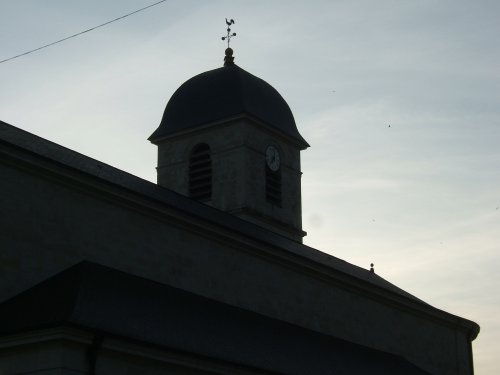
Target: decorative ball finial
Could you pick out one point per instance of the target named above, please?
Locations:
(229, 59)
(372, 270)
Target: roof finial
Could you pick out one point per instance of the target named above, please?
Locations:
(228, 59)
(372, 270)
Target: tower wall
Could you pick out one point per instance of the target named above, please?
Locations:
(239, 172)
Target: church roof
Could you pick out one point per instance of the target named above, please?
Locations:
(36, 150)
(120, 305)
(222, 94)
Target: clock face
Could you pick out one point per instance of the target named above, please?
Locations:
(272, 158)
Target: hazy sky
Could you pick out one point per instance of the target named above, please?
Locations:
(420, 199)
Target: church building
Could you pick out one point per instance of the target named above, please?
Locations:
(205, 272)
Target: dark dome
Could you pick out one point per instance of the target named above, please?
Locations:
(223, 93)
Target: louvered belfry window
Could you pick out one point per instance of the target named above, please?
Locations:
(200, 173)
(273, 186)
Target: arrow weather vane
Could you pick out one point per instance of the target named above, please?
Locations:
(229, 35)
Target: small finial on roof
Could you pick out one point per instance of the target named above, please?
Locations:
(229, 59)
(372, 270)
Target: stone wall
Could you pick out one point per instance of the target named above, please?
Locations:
(53, 217)
(238, 163)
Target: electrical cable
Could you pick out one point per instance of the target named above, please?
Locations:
(81, 32)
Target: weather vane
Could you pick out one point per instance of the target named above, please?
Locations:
(229, 35)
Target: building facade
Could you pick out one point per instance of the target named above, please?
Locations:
(205, 272)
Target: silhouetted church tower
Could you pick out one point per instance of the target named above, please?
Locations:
(228, 138)
(105, 273)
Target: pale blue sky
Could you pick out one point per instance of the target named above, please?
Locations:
(420, 199)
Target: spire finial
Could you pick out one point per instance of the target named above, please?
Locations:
(228, 59)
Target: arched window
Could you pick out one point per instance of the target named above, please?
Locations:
(273, 186)
(200, 173)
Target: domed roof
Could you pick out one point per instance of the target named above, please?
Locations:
(223, 93)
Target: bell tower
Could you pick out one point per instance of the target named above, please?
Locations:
(228, 139)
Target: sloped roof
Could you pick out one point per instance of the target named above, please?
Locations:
(42, 149)
(100, 299)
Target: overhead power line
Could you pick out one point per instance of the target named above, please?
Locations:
(81, 32)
